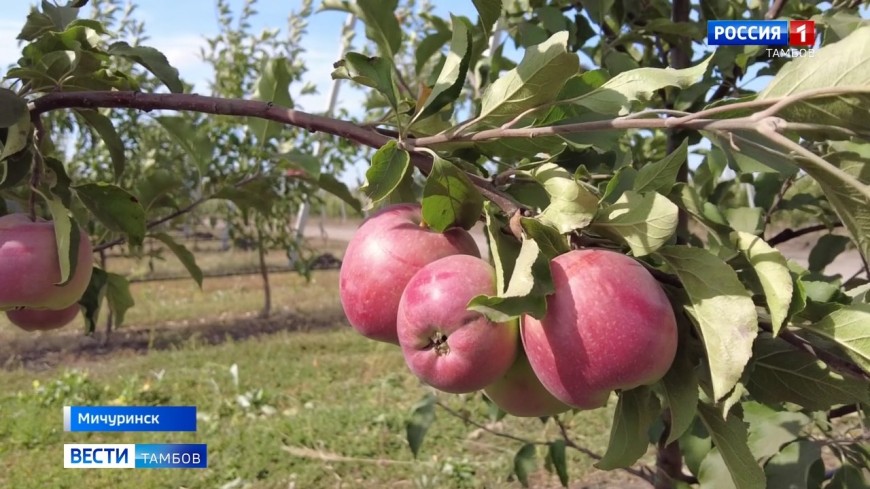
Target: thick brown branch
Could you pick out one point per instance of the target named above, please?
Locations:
(245, 108)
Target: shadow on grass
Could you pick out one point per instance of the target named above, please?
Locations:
(47, 350)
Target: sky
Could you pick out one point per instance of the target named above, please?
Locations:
(178, 28)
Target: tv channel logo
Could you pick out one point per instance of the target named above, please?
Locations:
(796, 33)
(135, 456)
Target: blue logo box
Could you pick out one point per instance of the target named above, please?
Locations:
(747, 32)
(129, 418)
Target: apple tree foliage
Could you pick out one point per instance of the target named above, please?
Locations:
(559, 125)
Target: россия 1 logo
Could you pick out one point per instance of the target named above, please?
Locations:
(797, 37)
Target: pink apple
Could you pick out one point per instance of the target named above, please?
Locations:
(29, 267)
(446, 345)
(42, 319)
(383, 255)
(608, 326)
(519, 392)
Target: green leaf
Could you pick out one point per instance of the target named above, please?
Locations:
(730, 438)
(184, 256)
(747, 151)
(848, 328)
(556, 452)
(452, 77)
(422, 417)
(621, 181)
(389, 165)
(722, 309)
(337, 188)
(552, 243)
(58, 180)
(770, 429)
(273, 86)
(644, 221)
(382, 26)
(713, 472)
(92, 299)
(489, 12)
(503, 247)
(536, 81)
(308, 163)
(840, 64)
(617, 95)
(449, 198)
(67, 237)
(258, 195)
(12, 107)
(851, 202)
(524, 463)
(526, 292)
(790, 468)
(635, 412)
(849, 477)
(826, 250)
(744, 219)
(372, 72)
(36, 24)
(152, 60)
(116, 208)
(103, 126)
(429, 46)
(60, 16)
(191, 139)
(14, 169)
(772, 271)
(783, 374)
(662, 175)
(118, 296)
(572, 206)
(17, 137)
(680, 388)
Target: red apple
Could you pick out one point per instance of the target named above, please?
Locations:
(29, 267)
(608, 326)
(519, 392)
(444, 344)
(42, 319)
(383, 255)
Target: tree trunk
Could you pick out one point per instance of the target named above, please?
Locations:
(264, 272)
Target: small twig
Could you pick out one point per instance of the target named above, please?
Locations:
(778, 199)
(179, 212)
(38, 166)
(487, 429)
(769, 127)
(842, 411)
(836, 363)
(789, 233)
(643, 472)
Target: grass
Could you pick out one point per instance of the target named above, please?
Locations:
(313, 404)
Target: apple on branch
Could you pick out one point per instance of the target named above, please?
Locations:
(42, 319)
(609, 325)
(446, 345)
(519, 392)
(381, 258)
(29, 267)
